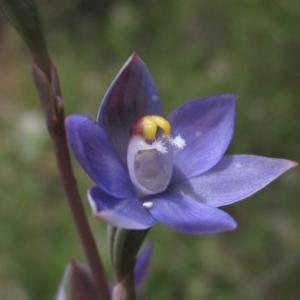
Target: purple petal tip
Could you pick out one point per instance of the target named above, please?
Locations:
(135, 56)
(293, 164)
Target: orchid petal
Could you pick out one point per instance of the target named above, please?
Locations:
(207, 128)
(97, 156)
(132, 94)
(234, 178)
(186, 215)
(127, 213)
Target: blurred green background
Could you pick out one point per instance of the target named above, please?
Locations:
(193, 49)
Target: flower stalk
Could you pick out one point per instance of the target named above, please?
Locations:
(51, 100)
(124, 247)
(24, 17)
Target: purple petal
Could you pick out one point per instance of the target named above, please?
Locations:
(125, 213)
(188, 216)
(97, 156)
(207, 128)
(132, 95)
(142, 264)
(234, 178)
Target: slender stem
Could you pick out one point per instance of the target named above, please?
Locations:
(111, 236)
(49, 92)
(24, 16)
(69, 183)
(124, 246)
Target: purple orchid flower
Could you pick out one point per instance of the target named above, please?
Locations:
(174, 171)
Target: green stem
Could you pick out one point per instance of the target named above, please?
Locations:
(124, 246)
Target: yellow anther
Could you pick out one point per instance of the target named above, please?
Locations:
(163, 124)
(148, 126)
(151, 124)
